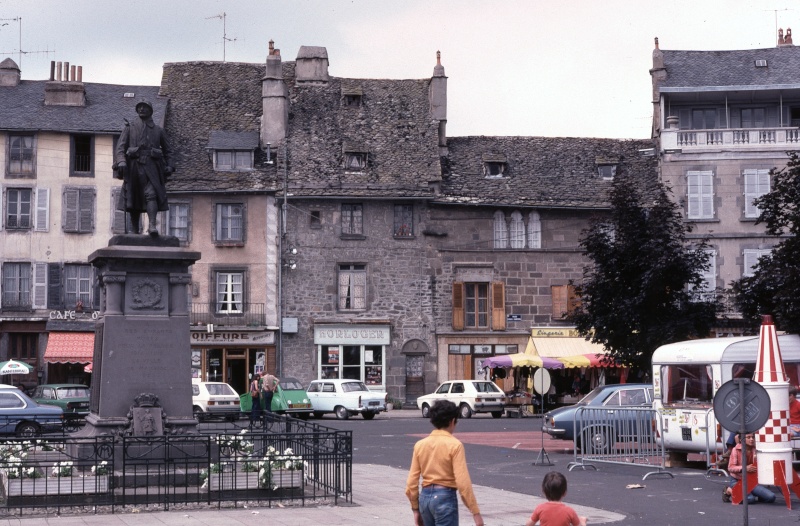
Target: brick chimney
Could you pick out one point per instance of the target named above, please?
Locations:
(437, 95)
(784, 41)
(311, 65)
(9, 73)
(274, 101)
(67, 92)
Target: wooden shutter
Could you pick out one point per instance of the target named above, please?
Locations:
(40, 285)
(498, 306)
(459, 366)
(70, 217)
(458, 306)
(558, 294)
(42, 219)
(86, 210)
(54, 289)
(573, 300)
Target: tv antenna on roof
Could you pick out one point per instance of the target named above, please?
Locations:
(776, 18)
(225, 38)
(4, 22)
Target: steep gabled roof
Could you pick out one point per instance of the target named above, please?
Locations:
(542, 172)
(22, 108)
(696, 69)
(219, 97)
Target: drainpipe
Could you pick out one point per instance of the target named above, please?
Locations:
(280, 256)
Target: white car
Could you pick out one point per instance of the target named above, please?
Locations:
(345, 398)
(470, 396)
(214, 399)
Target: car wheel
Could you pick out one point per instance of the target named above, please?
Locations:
(598, 441)
(368, 415)
(28, 429)
(341, 412)
(465, 411)
(318, 414)
(303, 416)
(426, 409)
(198, 413)
(497, 414)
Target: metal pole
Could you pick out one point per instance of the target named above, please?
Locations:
(741, 382)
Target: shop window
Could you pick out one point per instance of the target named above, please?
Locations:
(352, 287)
(23, 346)
(353, 362)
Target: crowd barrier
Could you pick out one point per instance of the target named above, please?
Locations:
(618, 436)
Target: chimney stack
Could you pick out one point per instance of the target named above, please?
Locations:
(67, 89)
(437, 95)
(274, 101)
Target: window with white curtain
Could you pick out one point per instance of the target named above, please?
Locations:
(709, 285)
(230, 287)
(352, 287)
(517, 232)
(16, 285)
(78, 285)
(500, 230)
(20, 155)
(756, 184)
(534, 230)
(229, 222)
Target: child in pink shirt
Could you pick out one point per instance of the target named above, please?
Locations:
(554, 512)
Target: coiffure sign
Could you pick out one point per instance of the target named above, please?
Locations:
(352, 334)
(233, 338)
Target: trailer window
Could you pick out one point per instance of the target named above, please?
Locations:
(686, 383)
(747, 370)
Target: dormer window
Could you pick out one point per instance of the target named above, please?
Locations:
(356, 157)
(495, 165)
(606, 167)
(232, 151)
(351, 97)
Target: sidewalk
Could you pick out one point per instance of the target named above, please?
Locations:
(378, 499)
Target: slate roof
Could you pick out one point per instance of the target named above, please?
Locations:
(543, 172)
(22, 108)
(732, 68)
(206, 97)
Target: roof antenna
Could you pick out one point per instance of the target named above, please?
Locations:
(225, 38)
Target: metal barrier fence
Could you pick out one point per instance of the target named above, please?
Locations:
(292, 460)
(618, 436)
(714, 453)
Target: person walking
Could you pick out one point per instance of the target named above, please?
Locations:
(440, 461)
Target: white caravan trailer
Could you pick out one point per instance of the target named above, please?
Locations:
(687, 375)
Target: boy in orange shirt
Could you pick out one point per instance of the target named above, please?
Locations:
(554, 512)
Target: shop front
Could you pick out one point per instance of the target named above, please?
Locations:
(461, 356)
(69, 352)
(232, 356)
(353, 351)
(22, 340)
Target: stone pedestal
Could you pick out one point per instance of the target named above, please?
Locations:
(142, 338)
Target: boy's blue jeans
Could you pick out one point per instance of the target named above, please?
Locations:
(438, 506)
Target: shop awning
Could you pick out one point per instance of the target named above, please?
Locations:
(69, 347)
(572, 352)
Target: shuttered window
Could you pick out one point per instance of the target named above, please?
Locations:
(16, 286)
(700, 194)
(42, 222)
(78, 286)
(479, 306)
(18, 208)
(54, 289)
(750, 260)
(78, 210)
(564, 300)
(40, 285)
(756, 184)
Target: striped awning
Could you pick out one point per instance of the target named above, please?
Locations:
(572, 352)
(69, 347)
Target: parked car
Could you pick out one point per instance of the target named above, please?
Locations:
(21, 416)
(345, 398)
(470, 396)
(290, 398)
(610, 423)
(211, 399)
(73, 399)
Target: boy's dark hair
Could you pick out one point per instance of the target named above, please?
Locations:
(793, 391)
(442, 413)
(554, 486)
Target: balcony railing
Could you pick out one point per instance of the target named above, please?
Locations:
(749, 138)
(16, 305)
(241, 315)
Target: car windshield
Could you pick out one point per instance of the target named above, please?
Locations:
(73, 392)
(290, 383)
(220, 389)
(486, 387)
(354, 386)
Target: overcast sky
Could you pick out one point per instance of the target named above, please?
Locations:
(538, 67)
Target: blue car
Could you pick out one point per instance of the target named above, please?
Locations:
(602, 418)
(21, 416)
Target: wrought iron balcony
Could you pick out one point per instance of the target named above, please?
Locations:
(16, 305)
(235, 315)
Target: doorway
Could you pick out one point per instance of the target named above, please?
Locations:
(236, 373)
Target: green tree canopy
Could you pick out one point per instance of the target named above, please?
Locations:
(635, 296)
(774, 287)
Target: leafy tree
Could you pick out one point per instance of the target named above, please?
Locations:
(635, 296)
(774, 287)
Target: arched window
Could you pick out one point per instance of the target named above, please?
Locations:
(534, 230)
(517, 230)
(500, 230)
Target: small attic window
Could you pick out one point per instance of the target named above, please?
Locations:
(128, 95)
(494, 168)
(355, 161)
(761, 63)
(351, 97)
(232, 151)
(607, 171)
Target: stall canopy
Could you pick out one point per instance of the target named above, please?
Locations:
(69, 347)
(521, 360)
(570, 352)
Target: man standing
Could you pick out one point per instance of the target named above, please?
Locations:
(440, 460)
(143, 161)
(269, 386)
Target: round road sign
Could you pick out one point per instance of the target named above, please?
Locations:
(541, 381)
(729, 406)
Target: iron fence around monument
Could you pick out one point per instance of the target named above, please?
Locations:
(290, 461)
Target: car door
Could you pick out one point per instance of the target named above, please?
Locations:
(442, 393)
(457, 394)
(11, 410)
(326, 397)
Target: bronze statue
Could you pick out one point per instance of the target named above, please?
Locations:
(143, 161)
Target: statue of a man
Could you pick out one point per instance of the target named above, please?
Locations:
(143, 161)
